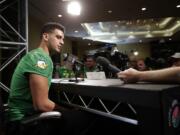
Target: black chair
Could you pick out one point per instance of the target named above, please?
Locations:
(34, 122)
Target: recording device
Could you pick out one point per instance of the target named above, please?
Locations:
(119, 59)
(72, 59)
(107, 64)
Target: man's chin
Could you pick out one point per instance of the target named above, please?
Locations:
(55, 51)
(58, 51)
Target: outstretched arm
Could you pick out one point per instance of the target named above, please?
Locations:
(167, 75)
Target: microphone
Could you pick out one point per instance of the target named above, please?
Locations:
(107, 64)
(73, 59)
(76, 61)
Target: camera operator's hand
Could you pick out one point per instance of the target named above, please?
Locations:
(129, 76)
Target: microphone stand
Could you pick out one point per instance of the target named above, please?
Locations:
(75, 69)
(76, 73)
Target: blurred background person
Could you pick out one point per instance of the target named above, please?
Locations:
(175, 59)
(141, 65)
(90, 64)
(66, 68)
(65, 71)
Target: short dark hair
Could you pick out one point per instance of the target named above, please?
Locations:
(90, 57)
(50, 26)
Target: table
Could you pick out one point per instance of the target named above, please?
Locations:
(154, 108)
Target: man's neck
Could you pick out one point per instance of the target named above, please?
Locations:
(44, 47)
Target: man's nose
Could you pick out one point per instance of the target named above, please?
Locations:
(62, 42)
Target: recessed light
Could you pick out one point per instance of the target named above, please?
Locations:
(76, 31)
(60, 15)
(149, 35)
(131, 32)
(136, 53)
(74, 8)
(178, 6)
(143, 9)
(138, 21)
(109, 11)
(131, 36)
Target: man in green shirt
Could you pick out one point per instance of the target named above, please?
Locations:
(90, 64)
(36, 62)
(31, 81)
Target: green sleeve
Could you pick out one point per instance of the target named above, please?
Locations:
(38, 64)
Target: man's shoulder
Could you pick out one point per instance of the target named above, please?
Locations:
(36, 56)
(36, 53)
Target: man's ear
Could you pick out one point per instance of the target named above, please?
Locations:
(45, 36)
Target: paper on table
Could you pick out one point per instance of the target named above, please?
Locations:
(95, 75)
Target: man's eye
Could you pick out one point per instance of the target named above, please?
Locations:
(59, 37)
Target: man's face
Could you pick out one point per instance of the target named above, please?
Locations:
(141, 65)
(55, 40)
(90, 62)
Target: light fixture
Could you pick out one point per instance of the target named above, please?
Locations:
(143, 9)
(59, 15)
(109, 11)
(74, 8)
(135, 53)
(178, 6)
(131, 36)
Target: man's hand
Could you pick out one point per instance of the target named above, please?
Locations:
(129, 76)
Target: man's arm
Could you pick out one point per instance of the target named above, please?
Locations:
(39, 91)
(171, 75)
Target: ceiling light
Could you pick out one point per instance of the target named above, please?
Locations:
(148, 35)
(143, 9)
(131, 32)
(109, 11)
(178, 6)
(136, 53)
(74, 8)
(131, 37)
(59, 15)
(76, 31)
